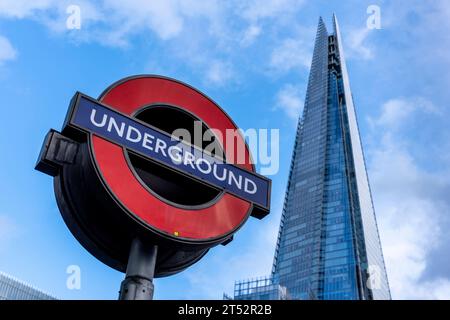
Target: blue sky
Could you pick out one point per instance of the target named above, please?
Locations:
(252, 59)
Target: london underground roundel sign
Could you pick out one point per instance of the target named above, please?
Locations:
(152, 158)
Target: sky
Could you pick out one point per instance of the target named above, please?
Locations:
(253, 60)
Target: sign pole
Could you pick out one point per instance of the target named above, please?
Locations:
(138, 282)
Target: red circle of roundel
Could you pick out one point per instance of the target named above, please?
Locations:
(128, 96)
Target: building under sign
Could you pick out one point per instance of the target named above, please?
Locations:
(14, 289)
(264, 288)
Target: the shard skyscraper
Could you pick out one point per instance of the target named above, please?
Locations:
(328, 244)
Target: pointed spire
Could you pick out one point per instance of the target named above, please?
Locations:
(321, 26)
(321, 23)
(334, 17)
(335, 25)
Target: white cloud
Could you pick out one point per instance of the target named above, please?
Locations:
(408, 206)
(395, 111)
(7, 51)
(422, 23)
(55, 19)
(23, 8)
(289, 100)
(290, 54)
(250, 35)
(162, 17)
(197, 33)
(166, 18)
(218, 73)
(184, 27)
(356, 40)
(255, 10)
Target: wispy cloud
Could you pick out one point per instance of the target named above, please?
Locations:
(250, 35)
(290, 101)
(219, 73)
(254, 10)
(24, 8)
(7, 51)
(395, 111)
(357, 42)
(116, 20)
(291, 54)
(411, 203)
(184, 28)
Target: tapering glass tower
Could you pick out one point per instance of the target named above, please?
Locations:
(328, 244)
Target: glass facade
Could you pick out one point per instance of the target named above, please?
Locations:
(13, 289)
(265, 288)
(328, 245)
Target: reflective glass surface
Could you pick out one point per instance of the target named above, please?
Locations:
(328, 243)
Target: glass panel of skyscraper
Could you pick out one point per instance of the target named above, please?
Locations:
(328, 245)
